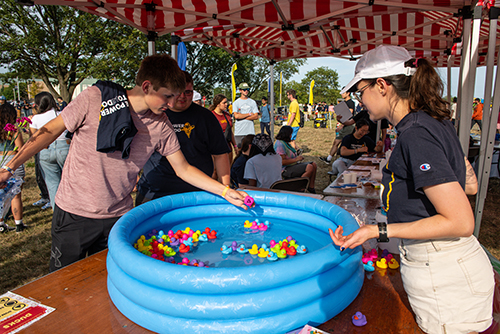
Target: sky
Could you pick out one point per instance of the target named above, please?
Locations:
(345, 69)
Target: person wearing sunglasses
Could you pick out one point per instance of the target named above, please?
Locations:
(245, 111)
(446, 274)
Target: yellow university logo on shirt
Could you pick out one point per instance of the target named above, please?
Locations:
(187, 128)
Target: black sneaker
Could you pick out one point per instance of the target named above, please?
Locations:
(4, 228)
(21, 227)
(324, 160)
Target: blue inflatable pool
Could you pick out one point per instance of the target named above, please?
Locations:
(272, 297)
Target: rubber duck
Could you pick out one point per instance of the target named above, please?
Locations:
(301, 249)
(369, 266)
(195, 237)
(212, 235)
(186, 231)
(359, 319)
(272, 256)
(184, 262)
(284, 244)
(170, 233)
(293, 244)
(249, 201)
(202, 264)
(262, 227)
(194, 263)
(291, 251)
(169, 251)
(254, 250)
(234, 246)
(170, 259)
(226, 250)
(203, 237)
(389, 257)
(265, 247)
(247, 224)
(174, 241)
(254, 225)
(242, 249)
(188, 241)
(281, 254)
(385, 252)
(184, 249)
(393, 264)
(289, 238)
(266, 223)
(185, 236)
(382, 263)
(272, 243)
(263, 252)
(276, 248)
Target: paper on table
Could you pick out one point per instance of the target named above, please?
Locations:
(343, 110)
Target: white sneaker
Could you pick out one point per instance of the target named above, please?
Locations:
(41, 202)
(47, 206)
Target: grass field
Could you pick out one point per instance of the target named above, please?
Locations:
(25, 256)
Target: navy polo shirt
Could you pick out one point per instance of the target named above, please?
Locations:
(427, 153)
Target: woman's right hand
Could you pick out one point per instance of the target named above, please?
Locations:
(299, 158)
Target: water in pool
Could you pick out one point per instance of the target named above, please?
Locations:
(232, 229)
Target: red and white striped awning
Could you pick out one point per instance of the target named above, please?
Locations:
(283, 29)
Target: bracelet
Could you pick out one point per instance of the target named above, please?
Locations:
(355, 151)
(8, 169)
(225, 191)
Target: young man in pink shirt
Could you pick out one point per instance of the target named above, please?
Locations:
(96, 185)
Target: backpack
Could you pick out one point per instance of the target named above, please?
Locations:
(301, 122)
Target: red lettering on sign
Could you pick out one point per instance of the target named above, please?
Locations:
(21, 319)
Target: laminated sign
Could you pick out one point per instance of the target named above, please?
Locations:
(17, 312)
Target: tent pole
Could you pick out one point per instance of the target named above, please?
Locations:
(490, 117)
(466, 93)
(448, 78)
(271, 97)
(152, 35)
(174, 42)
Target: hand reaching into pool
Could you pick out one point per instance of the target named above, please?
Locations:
(354, 239)
(237, 198)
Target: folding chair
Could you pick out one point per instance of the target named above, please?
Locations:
(298, 184)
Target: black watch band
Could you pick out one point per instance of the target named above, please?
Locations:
(382, 233)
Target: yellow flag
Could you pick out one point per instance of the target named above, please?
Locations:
(234, 68)
(281, 84)
(311, 92)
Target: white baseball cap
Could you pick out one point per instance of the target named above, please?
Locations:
(196, 96)
(383, 61)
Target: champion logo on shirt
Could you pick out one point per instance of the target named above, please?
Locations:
(425, 167)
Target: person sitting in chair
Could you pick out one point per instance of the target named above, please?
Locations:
(354, 145)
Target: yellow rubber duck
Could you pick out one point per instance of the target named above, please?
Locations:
(393, 264)
(195, 237)
(247, 224)
(254, 250)
(281, 254)
(382, 263)
(263, 252)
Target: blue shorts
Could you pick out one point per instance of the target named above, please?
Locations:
(295, 131)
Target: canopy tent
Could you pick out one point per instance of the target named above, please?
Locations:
(284, 29)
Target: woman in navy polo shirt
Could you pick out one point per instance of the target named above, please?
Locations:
(446, 274)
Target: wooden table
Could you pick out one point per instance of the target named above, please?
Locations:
(79, 294)
(362, 191)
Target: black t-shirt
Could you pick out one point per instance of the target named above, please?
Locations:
(200, 136)
(351, 143)
(363, 114)
(427, 153)
(351, 105)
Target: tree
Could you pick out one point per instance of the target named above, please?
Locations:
(56, 42)
(326, 85)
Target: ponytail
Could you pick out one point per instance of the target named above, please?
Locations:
(423, 90)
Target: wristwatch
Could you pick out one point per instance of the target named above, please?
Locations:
(382, 233)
